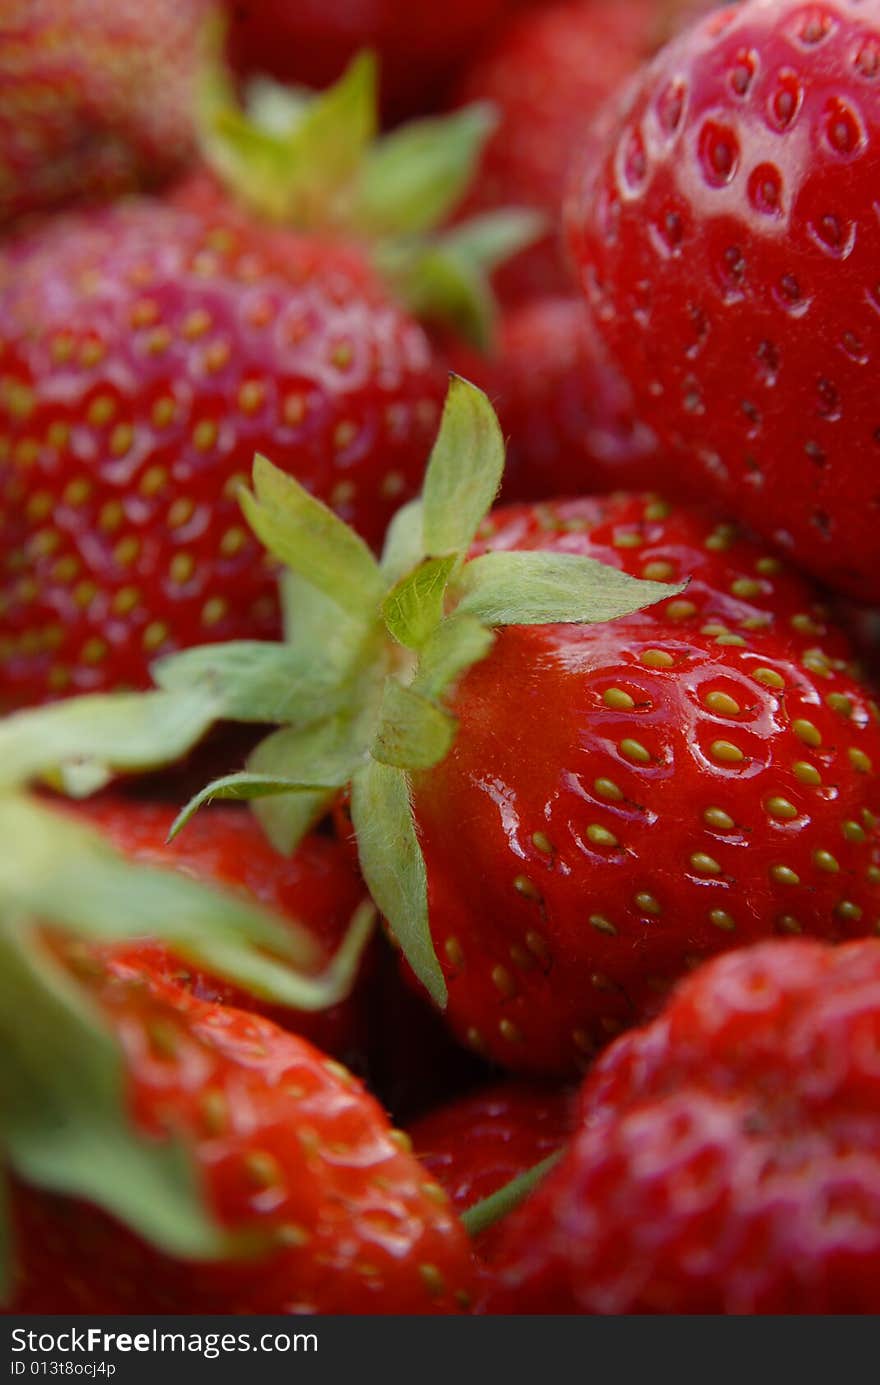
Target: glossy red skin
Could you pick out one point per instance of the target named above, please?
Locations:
(340, 388)
(479, 1143)
(548, 946)
(286, 1143)
(318, 887)
(305, 41)
(566, 413)
(728, 1155)
(97, 97)
(548, 73)
(746, 321)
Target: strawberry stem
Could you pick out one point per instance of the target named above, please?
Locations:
(491, 1209)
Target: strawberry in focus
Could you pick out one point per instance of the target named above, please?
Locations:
(318, 887)
(727, 1158)
(98, 97)
(726, 235)
(625, 799)
(289, 1148)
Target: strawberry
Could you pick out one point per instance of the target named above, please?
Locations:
(480, 1143)
(727, 236)
(98, 97)
(310, 43)
(565, 411)
(147, 350)
(132, 407)
(702, 774)
(548, 72)
(562, 801)
(289, 1149)
(726, 1158)
(317, 887)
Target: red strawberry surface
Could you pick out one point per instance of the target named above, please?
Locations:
(287, 1145)
(548, 73)
(317, 887)
(728, 1155)
(476, 1145)
(622, 800)
(97, 97)
(148, 350)
(419, 46)
(728, 239)
(566, 413)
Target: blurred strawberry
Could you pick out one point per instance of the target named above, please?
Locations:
(289, 1150)
(98, 97)
(317, 887)
(727, 1156)
(566, 413)
(149, 349)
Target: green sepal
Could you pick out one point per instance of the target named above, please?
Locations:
(506, 1199)
(55, 867)
(301, 173)
(404, 546)
(82, 742)
(394, 868)
(446, 279)
(464, 470)
(413, 608)
(542, 588)
(441, 288)
(64, 1109)
(486, 242)
(456, 644)
(254, 681)
(309, 538)
(413, 178)
(413, 732)
(286, 818)
(242, 787)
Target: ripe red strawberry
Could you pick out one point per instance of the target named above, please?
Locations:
(623, 800)
(309, 43)
(548, 73)
(148, 350)
(727, 238)
(287, 1144)
(728, 1155)
(97, 97)
(562, 800)
(318, 887)
(476, 1145)
(566, 413)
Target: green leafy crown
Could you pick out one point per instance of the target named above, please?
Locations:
(317, 161)
(359, 688)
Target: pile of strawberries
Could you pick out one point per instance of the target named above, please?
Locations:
(530, 964)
